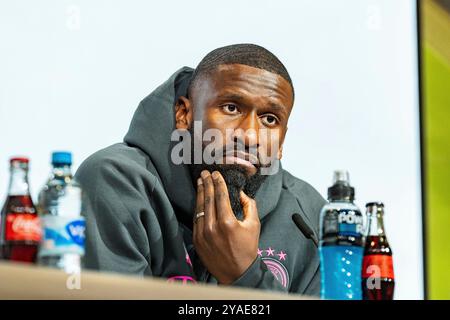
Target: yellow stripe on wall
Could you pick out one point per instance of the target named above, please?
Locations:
(436, 109)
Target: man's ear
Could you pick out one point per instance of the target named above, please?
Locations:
(280, 153)
(183, 113)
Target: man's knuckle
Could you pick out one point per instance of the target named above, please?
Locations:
(220, 195)
(227, 224)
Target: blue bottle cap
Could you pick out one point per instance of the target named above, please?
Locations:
(61, 158)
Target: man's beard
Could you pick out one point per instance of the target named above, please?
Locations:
(236, 178)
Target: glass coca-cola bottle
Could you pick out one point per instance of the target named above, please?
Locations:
(20, 231)
(378, 279)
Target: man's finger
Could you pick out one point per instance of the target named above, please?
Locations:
(248, 207)
(209, 206)
(199, 222)
(222, 199)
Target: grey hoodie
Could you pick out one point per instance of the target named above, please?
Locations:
(140, 209)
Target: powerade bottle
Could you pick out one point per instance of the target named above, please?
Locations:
(60, 210)
(341, 244)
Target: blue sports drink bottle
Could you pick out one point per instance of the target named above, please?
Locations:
(341, 245)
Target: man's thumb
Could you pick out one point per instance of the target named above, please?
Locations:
(248, 207)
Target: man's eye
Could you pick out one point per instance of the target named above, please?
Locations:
(269, 120)
(230, 108)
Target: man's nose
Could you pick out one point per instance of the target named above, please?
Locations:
(247, 131)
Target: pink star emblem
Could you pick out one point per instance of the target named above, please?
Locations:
(270, 251)
(282, 255)
(259, 252)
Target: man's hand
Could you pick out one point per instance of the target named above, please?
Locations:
(226, 246)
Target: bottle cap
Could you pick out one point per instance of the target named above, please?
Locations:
(375, 204)
(19, 159)
(341, 189)
(375, 207)
(61, 158)
(341, 176)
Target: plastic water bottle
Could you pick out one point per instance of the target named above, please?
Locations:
(341, 244)
(60, 209)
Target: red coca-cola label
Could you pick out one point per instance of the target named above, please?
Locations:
(22, 227)
(378, 266)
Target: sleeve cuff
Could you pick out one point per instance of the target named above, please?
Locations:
(253, 275)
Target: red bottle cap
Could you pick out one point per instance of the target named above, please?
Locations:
(19, 159)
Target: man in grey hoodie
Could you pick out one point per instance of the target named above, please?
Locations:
(228, 221)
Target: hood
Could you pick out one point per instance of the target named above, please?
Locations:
(151, 129)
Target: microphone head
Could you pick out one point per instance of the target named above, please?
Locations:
(304, 227)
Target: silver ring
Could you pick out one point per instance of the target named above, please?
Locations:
(199, 215)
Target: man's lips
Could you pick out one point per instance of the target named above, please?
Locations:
(242, 158)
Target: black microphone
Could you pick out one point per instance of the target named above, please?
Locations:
(304, 228)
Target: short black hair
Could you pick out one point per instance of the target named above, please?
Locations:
(244, 53)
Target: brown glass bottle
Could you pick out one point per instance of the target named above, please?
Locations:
(378, 281)
(20, 230)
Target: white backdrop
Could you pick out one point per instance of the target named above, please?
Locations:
(73, 72)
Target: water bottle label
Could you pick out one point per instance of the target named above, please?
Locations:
(350, 223)
(330, 224)
(62, 235)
